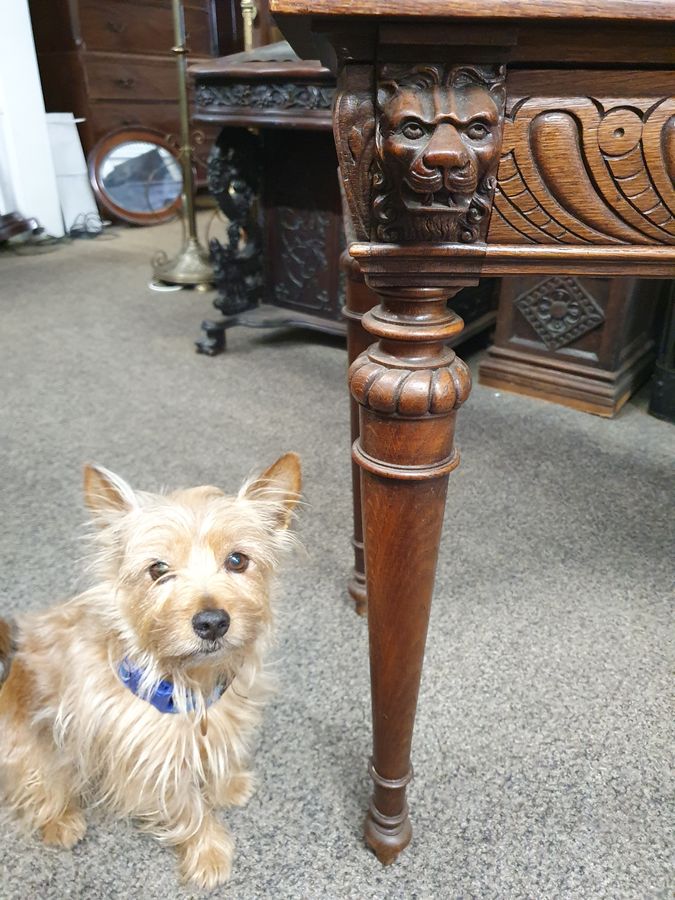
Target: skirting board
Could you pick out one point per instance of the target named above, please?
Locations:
(588, 389)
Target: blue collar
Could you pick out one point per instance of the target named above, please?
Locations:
(162, 696)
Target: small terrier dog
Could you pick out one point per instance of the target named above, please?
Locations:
(144, 692)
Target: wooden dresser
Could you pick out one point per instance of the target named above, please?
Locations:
(110, 61)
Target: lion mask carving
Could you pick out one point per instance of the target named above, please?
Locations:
(437, 146)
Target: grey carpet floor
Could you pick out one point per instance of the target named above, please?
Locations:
(543, 747)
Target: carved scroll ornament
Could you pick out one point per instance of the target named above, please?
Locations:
(581, 171)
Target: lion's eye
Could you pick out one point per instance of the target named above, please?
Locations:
(413, 131)
(477, 131)
(237, 562)
(158, 569)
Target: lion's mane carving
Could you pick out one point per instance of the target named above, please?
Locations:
(437, 146)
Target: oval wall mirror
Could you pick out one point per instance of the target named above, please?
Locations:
(136, 176)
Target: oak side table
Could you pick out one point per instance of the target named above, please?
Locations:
(498, 137)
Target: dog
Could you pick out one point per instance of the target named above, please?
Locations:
(6, 648)
(143, 693)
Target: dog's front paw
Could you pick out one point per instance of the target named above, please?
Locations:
(207, 862)
(65, 831)
(240, 789)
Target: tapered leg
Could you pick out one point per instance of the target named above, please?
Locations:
(359, 299)
(408, 388)
(418, 145)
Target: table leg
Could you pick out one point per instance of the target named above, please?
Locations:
(408, 387)
(418, 146)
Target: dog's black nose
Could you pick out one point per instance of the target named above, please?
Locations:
(210, 624)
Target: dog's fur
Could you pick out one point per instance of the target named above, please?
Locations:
(71, 733)
(6, 648)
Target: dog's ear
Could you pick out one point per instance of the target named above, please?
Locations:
(106, 494)
(279, 485)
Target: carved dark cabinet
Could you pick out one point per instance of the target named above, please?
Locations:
(273, 172)
(303, 234)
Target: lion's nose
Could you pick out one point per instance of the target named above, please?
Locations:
(445, 150)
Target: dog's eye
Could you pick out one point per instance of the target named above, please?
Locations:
(157, 569)
(237, 562)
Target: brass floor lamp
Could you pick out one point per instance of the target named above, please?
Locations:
(191, 266)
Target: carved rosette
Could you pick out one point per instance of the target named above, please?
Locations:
(409, 393)
(560, 311)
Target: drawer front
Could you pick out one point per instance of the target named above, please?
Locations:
(121, 27)
(107, 117)
(164, 117)
(588, 157)
(128, 78)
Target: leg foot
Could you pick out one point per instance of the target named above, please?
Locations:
(213, 342)
(66, 831)
(206, 859)
(387, 836)
(357, 591)
(240, 789)
(387, 827)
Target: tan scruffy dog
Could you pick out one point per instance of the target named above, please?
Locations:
(143, 693)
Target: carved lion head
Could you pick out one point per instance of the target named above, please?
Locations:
(437, 146)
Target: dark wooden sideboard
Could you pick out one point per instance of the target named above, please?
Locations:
(501, 137)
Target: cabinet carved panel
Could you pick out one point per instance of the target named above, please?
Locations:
(587, 171)
(303, 238)
(560, 311)
(266, 96)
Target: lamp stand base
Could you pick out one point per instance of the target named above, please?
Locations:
(191, 266)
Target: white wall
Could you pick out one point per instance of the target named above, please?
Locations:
(27, 177)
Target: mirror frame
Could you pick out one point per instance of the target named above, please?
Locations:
(95, 159)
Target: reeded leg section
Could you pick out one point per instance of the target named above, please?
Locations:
(359, 299)
(408, 387)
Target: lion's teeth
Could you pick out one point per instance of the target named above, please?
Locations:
(429, 199)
